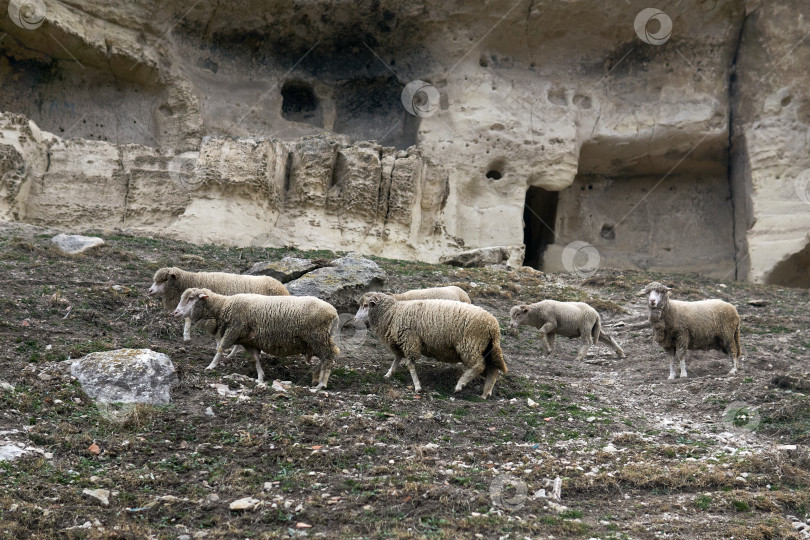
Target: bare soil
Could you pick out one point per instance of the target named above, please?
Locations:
(708, 456)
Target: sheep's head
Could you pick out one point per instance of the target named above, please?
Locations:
(517, 316)
(161, 280)
(192, 304)
(367, 303)
(657, 295)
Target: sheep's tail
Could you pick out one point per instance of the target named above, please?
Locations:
(493, 355)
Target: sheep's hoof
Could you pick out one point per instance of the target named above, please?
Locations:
(683, 375)
(387, 375)
(261, 386)
(733, 371)
(671, 377)
(186, 338)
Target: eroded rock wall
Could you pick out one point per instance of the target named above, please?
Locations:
(248, 122)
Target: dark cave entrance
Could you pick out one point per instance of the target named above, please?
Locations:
(299, 103)
(539, 216)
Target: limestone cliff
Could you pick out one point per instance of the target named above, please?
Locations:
(544, 123)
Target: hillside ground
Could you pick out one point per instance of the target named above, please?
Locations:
(708, 456)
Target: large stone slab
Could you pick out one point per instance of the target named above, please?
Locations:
(73, 244)
(126, 376)
(342, 283)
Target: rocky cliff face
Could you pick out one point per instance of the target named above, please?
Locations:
(544, 124)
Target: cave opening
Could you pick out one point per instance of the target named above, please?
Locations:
(792, 272)
(539, 216)
(300, 104)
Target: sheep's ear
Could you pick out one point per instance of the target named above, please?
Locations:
(670, 287)
(173, 275)
(524, 309)
(202, 296)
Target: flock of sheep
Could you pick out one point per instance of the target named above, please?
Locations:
(258, 313)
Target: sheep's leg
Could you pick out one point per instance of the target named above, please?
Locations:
(394, 367)
(472, 372)
(545, 330)
(225, 342)
(411, 365)
(257, 357)
(325, 372)
(316, 369)
(234, 351)
(187, 330)
(610, 342)
(587, 342)
(671, 353)
(680, 352)
(735, 351)
(492, 374)
(550, 339)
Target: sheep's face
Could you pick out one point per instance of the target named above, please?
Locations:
(517, 316)
(191, 304)
(161, 280)
(656, 294)
(367, 303)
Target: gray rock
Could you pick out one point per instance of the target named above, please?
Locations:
(285, 270)
(478, 257)
(342, 283)
(74, 243)
(10, 452)
(101, 496)
(126, 376)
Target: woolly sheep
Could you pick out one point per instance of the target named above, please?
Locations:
(436, 293)
(568, 319)
(447, 330)
(170, 282)
(278, 325)
(679, 326)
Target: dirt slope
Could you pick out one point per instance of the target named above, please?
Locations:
(639, 456)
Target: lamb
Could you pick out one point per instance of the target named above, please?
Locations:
(447, 330)
(170, 282)
(679, 326)
(568, 319)
(436, 293)
(278, 325)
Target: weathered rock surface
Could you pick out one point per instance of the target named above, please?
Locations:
(126, 375)
(287, 269)
(342, 283)
(552, 123)
(73, 244)
(479, 257)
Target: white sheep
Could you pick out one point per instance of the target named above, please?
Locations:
(447, 330)
(568, 319)
(278, 325)
(704, 325)
(450, 292)
(170, 282)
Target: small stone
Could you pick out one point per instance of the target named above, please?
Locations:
(100, 495)
(6, 386)
(531, 403)
(591, 419)
(302, 525)
(278, 387)
(95, 479)
(94, 449)
(247, 503)
(184, 537)
(209, 411)
(786, 447)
